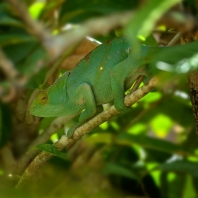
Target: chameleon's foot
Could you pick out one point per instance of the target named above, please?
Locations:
(121, 107)
(71, 131)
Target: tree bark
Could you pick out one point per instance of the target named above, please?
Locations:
(193, 85)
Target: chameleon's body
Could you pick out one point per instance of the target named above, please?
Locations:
(100, 77)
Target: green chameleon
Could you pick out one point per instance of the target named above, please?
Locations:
(101, 76)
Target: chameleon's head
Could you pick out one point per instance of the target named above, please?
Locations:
(51, 102)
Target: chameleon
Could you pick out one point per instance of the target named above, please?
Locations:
(100, 77)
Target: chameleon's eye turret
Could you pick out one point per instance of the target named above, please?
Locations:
(42, 98)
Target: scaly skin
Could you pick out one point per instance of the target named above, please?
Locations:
(100, 77)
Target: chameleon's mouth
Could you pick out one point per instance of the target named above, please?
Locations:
(34, 111)
(47, 110)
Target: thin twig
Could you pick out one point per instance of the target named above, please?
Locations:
(175, 39)
(65, 142)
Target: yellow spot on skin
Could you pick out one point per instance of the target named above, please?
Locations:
(101, 68)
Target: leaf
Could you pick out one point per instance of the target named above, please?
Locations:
(161, 125)
(20, 51)
(153, 143)
(79, 10)
(183, 61)
(6, 18)
(144, 21)
(14, 37)
(171, 184)
(112, 168)
(150, 40)
(53, 150)
(189, 190)
(37, 57)
(36, 8)
(180, 166)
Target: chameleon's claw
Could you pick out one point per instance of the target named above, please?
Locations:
(121, 107)
(71, 131)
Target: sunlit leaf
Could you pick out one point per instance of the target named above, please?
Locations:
(99, 138)
(137, 128)
(151, 97)
(189, 190)
(161, 125)
(36, 8)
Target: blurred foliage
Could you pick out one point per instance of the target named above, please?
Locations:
(149, 151)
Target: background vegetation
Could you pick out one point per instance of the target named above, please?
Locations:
(150, 151)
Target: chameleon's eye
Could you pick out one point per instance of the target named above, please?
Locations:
(42, 98)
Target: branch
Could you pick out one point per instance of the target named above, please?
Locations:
(55, 125)
(84, 129)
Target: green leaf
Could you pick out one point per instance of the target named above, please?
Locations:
(53, 150)
(36, 57)
(150, 40)
(35, 9)
(151, 97)
(144, 21)
(180, 166)
(183, 61)
(137, 128)
(20, 51)
(79, 10)
(171, 184)
(14, 37)
(189, 190)
(161, 125)
(7, 20)
(153, 143)
(112, 168)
